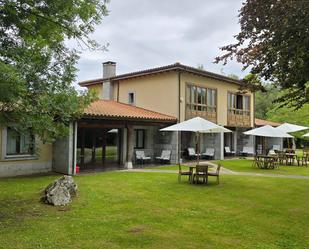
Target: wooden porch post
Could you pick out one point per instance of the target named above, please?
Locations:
(93, 146)
(103, 145)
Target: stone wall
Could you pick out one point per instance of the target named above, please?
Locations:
(63, 149)
(166, 141)
(243, 140)
(156, 141)
(24, 168)
(207, 140)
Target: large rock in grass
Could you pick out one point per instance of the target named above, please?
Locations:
(61, 191)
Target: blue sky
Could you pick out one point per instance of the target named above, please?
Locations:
(144, 34)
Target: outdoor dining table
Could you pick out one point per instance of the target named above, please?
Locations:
(192, 167)
(267, 161)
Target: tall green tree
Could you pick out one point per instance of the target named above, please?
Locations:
(264, 101)
(37, 67)
(274, 44)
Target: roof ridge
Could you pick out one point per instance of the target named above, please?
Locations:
(173, 66)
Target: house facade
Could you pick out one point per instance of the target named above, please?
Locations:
(180, 92)
(131, 110)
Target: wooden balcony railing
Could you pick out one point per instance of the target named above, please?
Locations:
(209, 113)
(238, 118)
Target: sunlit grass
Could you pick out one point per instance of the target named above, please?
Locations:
(153, 210)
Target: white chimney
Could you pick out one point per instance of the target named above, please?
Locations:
(109, 70)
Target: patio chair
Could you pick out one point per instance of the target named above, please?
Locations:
(201, 171)
(281, 157)
(247, 151)
(216, 174)
(272, 153)
(191, 153)
(140, 156)
(304, 159)
(184, 173)
(276, 147)
(257, 161)
(210, 153)
(165, 156)
(228, 151)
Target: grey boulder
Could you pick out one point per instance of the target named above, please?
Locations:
(61, 191)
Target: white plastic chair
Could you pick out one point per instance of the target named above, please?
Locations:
(140, 156)
(210, 152)
(191, 152)
(228, 151)
(165, 156)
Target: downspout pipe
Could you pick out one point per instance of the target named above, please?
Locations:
(179, 116)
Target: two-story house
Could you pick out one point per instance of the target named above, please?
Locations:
(175, 93)
(131, 110)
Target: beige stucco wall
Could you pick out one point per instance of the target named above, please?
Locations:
(159, 92)
(222, 90)
(98, 89)
(155, 92)
(42, 162)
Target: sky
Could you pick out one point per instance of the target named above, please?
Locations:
(144, 34)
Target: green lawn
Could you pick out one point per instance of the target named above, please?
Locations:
(152, 210)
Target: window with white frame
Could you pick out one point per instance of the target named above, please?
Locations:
(18, 143)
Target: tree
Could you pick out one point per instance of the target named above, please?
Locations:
(285, 114)
(37, 68)
(264, 101)
(274, 44)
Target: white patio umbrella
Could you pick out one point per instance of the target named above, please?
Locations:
(267, 131)
(289, 128)
(306, 135)
(197, 125)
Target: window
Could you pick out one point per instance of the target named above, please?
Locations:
(19, 143)
(139, 139)
(201, 98)
(246, 103)
(238, 102)
(131, 98)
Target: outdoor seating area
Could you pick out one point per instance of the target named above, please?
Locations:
(199, 174)
(286, 157)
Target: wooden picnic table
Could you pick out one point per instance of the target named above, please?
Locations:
(266, 161)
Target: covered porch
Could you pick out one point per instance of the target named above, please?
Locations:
(108, 135)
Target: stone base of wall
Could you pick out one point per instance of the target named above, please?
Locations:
(24, 168)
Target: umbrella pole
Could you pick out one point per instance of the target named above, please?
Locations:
(198, 147)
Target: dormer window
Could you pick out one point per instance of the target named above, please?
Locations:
(131, 98)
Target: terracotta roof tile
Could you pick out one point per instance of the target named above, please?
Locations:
(262, 122)
(113, 109)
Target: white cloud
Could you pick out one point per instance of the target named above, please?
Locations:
(145, 33)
